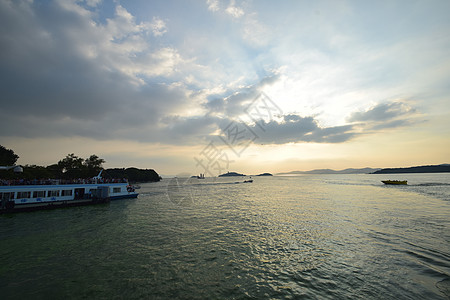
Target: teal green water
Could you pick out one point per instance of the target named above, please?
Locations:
(307, 237)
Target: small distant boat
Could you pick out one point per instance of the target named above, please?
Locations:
(248, 181)
(201, 176)
(397, 182)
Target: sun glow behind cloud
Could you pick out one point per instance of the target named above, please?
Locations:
(147, 77)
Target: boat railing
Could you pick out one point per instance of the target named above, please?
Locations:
(18, 182)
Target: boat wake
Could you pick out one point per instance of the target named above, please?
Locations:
(431, 184)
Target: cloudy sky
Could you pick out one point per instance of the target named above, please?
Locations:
(210, 86)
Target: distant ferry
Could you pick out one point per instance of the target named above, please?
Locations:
(403, 182)
(52, 194)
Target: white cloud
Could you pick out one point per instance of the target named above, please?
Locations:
(123, 25)
(233, 10)
(158, 26)
(122, 44)
(93, 3)
(162, 62)
(254, 32)
(213, 5)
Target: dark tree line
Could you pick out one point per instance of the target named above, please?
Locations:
(72, 167)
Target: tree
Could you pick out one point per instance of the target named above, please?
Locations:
(70, 162)
(73, 166)
(94, 162)
(7, 157)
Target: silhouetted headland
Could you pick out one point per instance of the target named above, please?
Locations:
(231, 174)
(444, 168)
(135, 174)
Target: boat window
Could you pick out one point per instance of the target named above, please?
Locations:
(53, 194)
(79, 193)
(21, 195)
(38, 194)
(7, 195)
(66, 193)
(116, 190)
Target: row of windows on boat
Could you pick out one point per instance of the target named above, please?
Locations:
(61, 181)
(44, 194)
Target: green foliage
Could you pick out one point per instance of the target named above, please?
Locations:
(34, 172)
(29, 172)
(70, 162)
(7, 157)
(94, 162)
(55, 171)
(73, 167)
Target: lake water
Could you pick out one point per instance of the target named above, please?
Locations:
(307, 237)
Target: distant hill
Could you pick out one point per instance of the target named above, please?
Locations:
(444, 168)
(230, 174)
(133, 174)
(330, 171)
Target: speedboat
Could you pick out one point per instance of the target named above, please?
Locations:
(397, 182)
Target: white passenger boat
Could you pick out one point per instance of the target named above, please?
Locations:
(52, 194)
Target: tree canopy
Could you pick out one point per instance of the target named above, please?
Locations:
(94, 162)
(73, 166)
(7, 157)
(70, 162)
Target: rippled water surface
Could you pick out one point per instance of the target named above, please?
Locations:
(311, 237)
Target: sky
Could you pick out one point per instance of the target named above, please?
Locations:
(209, 86)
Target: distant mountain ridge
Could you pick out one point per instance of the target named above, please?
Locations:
(330, 171)
(443, 168)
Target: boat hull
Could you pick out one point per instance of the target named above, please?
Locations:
(36, 197)
(52, 205)
(395, 182)
(127, 196)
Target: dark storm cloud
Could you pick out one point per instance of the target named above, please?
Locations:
(53, 86)
(41, 70)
